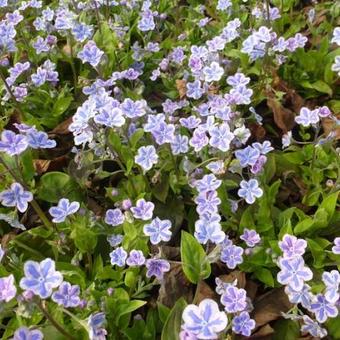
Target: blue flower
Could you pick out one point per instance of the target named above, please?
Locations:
(332, 281)
(263, 148)
(303, 296)
(23, 333)
(13, 144)
(292, 246)
(234, 299)
(67, 295)
(307, 117)
(336, 247)
(95, 323)
(41, 278)
(81, 31)
(158, 230)
(194, 90)
(143, 210)
(114, 217)
(146, 22)
(111, 117)
(207, 183)
(90, 54)
(323, 309)
(247, 156)
(164, 133)
(205, 231)
(136, 258)
(115, 240)
(63, 209)
(214, 72)
(16, 196)
(7, 288)
(146, 157)
(312, 327)
(157, 267)
(243, 324)
(204, 320)
(207, 202)
(221, 137)
(179, 144)
(39, 140)
(336, 36)
(251, 237)
(294, 272)
(250, 190)
(118, 257)
(134, 109)
(231, 255)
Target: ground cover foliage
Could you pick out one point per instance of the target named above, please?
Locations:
(169, 169)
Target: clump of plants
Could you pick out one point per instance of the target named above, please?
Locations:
(169, 169)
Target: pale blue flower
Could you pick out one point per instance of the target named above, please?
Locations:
(205, 320)
(194, 90)
(114, 217)
(247, 156)
(213, 72)
(118, 257)
(207, 183)
(90, 54)
(158, 230)
(249, 190)
(243, 324)
(332, 281)
(231, 255)
(292, 247)
(307, 117)
(251, 237)
(39, 140)
(23, 333)
(157, 267)
(41, 278)
(67, 295)
(12, 143)
(323, 309)
(136, 258)
(146, 157)
(234, 299)
(205, 231)
(207, 202)
(17, 197)
(312, 327)
(7, 288)
(221, 137)
(143, 210)
(179, 144)
(63, 209)
(303, 296)
(294, 272)
(110, 117)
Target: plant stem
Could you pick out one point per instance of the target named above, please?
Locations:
(55, 324)
(34, 203)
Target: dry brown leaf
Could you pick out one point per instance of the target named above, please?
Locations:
(44, 165)
(257, 131)
(329, 125)
(173, 286)
(269, 306)
(235, 275)
(181, 87)
(204, 292)
(41, 165)
(62, 128)
(264, 332)
(283, 117)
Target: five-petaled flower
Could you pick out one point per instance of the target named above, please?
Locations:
(243, 324)
(23, 333)
(7, 288)
(63, 209)
(12, 143)
(323, 309)
(16, 196)
(157, 267)
(146, 157)
(234, 299)
(158, 230)
(41, 278)
(67, 295)
(114, 217)
(118, 257)
(205, 320)
(143, 210)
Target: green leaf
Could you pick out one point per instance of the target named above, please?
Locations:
(173, 323)
(61, 104)
(286, 330)
(265, 276)
(135, 138)
(163, 312)
(27, 165)
(194, 259)
(322, 87)
(126, 308)
(329, 204)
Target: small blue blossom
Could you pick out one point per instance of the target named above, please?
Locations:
(157, 267)
(179, 144)
(205, 232)
(336, 247)
(231, 255)
(263, 148)
(312, 327)
(207, 183)
(12, 143)
(41, 278)
(234, 299)
(63, 209)
(221, 137)
(134, 109)
(40, 140)
(115, 240)
(323, 309)
(158, 230)
(17, 197)
(207, 202)
(143, 210)
(237, 80)
(250, 190)
(95, 323)
(307, 117)
(332, 281)
(90, 54)
(146, 157)
(251, 237)
(336, 36)
(294, 272)
(146, 22)
(247, 156)
(165, 133)
(303, 296)
(213, 72)
(243, 324)
(7, 288)
(292, 247)
(136, 258)
(67, 295)
(205, 320)
(81, 32)
(110, 117)
(118, 257)
(114, 217)
(194, 90)
(23, 333)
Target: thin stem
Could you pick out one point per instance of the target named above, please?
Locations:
(74, 72)
(9, 90)
(55, 324)
(34, 203)
(98, 17)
